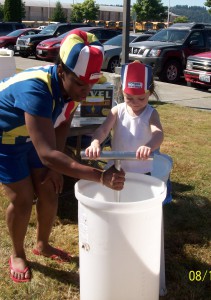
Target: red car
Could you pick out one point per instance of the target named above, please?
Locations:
(198, 70)
(9, 40)
(49, 49)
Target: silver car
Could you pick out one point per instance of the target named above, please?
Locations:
(113, 48)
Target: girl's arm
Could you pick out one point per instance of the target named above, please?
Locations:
(100, 134)
(157, 131)
(156, 140)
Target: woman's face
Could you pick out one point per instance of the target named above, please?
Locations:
(73, 87)
(136, 102)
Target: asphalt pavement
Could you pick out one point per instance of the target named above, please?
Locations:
(173, 93)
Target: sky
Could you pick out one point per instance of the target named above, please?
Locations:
(165, 2)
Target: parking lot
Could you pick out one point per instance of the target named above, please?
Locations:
(174, 93)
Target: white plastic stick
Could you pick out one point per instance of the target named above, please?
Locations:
(118, 167)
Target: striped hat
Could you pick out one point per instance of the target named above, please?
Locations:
(136, 78)
(83, 54)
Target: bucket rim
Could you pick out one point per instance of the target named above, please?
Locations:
(116, 206)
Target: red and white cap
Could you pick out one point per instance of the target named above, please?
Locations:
(136, 78)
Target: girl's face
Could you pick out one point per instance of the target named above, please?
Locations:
(136, 102)
(73, 87)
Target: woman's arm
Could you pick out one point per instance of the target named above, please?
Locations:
(43, 136)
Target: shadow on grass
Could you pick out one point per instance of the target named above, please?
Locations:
(187, 226)
(68, 204)
(65, 277)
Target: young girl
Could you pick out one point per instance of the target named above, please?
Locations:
(136, 124)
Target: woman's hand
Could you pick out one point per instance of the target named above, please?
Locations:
(113, 178)
(56, 179)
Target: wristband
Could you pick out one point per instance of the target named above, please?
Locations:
(101, 177)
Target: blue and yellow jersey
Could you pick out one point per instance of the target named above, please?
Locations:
(35, 91)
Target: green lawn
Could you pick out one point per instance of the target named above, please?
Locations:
(187, 222)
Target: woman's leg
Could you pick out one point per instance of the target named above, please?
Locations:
(46, 206)
(18, 214)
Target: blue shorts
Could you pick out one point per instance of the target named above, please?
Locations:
(16, 162)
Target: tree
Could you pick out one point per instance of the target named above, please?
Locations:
(208, 4)
(1, 12)
(181, 19)
(77, 13)
(13, 10)
(88, 10)
(23, 10)
(58, 15)
(150, 10)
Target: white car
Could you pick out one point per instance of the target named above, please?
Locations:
(41, 27)
(113, 49)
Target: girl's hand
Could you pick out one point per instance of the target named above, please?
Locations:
(143, 152)
(93, 151)
(56, 179)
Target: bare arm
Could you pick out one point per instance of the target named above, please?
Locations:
(156, 140)
(43, 136)
(61, 133)
(100, 134)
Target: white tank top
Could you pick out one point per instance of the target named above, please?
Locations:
(129, 133)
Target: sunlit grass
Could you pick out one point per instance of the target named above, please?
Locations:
(187, 221)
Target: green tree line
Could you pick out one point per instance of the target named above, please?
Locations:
(192, 13)
(153, 10)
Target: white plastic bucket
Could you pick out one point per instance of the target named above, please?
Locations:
(120, 242)
(7, 63)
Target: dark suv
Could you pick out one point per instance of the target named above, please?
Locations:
(7, 27)
(167, 50)
(26, 45)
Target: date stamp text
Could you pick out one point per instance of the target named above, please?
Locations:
(199, 276)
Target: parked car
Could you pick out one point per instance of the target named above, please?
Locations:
(198, 70)
(42, 27)
(9, 40)
(26, 45)
(7, 27)
(167, 50)
(113, 49)
(49, 49)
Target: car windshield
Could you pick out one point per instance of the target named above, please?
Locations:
(170, 35)
(117, 40)
(50, 29)
(15, 33)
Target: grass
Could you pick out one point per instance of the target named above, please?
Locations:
(187, 221)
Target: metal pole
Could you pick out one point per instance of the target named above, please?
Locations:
(125, 31)
(114, 155)
(48, 11)
(168, 14)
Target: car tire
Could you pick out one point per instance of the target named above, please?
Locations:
(24, 55)
(11, 47)
(191, 84)
(171, 72)
(113, 63)
(198, 86)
